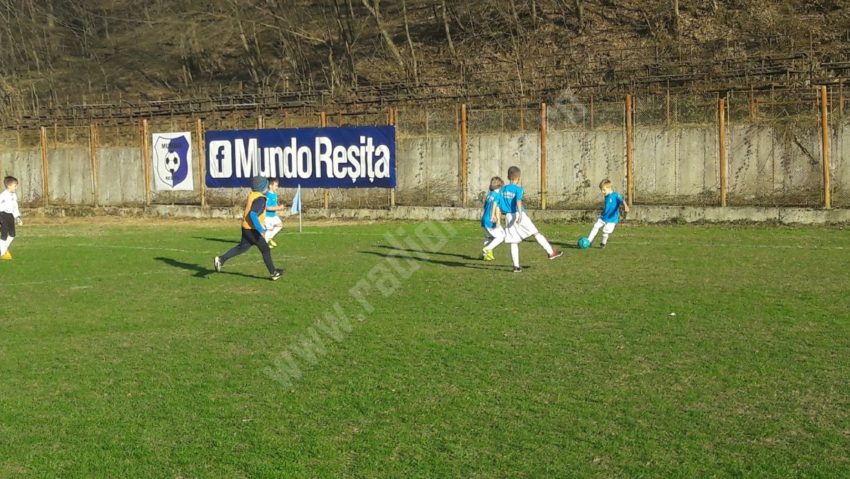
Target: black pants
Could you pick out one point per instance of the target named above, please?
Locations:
(7, 226)
(251, 238)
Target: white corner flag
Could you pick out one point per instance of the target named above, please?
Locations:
(296, 206)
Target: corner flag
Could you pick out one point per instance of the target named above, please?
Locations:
(296, 206)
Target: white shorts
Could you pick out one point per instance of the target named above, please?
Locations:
(497, 232)
(518, 230)
(272, 222)
(607, 228)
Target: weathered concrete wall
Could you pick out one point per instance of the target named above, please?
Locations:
(69, 176)
(579, 160)
(768, 165)
(840, 151)
(120, 177)
(427, 168)
(25, 165)
(492, 154)
(676, 166)
(774, 165)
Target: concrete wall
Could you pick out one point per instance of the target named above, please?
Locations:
(767, 165)
(25, 165)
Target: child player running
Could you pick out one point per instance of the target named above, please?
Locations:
(517, 223)
(273, 224)
(490, 219)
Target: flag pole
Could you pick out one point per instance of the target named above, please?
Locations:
(300, 224)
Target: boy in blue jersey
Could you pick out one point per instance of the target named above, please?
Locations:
(273, 224)
(517, 223)
(253, 218)
(490, 219)
(610, 213)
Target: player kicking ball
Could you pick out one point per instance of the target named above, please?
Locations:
(253, 220)
(610, 213)
(518, 224)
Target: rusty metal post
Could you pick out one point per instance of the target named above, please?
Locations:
(202, 160)
(45, 188)
(93, 157)
(721, 136)
(630, 166)
(544, 156)
(261, 122)
(464, 156)
(326, 193)
(146, 165)
(824, 125)
(392, 116)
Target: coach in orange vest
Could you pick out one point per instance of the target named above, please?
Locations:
(253, 227)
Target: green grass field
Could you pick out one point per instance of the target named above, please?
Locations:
(123, 355)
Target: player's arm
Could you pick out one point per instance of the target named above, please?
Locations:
(257, 208)
(625, 205)
(496, 216)
(518, 210)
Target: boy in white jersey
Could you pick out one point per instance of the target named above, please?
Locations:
(517, 223)
(273, 223)
(10, 215)
(490, 219)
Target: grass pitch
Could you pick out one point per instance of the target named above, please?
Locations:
(680, 351)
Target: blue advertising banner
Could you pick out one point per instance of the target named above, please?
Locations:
(353, 157)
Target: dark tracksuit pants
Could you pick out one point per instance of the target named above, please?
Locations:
(251, 238)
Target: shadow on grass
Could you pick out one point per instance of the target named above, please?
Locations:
(403, 252)
(418, 256)
(217, 240)
(200, 271)
(562, 244)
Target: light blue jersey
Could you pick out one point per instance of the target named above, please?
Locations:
(493, 200)
(512, 194)
(271, 201)
(611, 212)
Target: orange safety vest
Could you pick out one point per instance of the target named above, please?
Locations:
(246, 219)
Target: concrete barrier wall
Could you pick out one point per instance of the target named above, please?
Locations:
(25, 165)
(767, 165)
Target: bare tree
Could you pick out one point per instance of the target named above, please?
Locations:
(446, 27)
(374, 8)
(414, 66)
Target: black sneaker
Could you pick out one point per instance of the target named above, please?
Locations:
(602, 246)
(277, 274)
(217, 265)
(517, 269)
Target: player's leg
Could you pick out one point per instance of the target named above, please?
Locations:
(7, 234)
(276, 226)
(260, 242)
(243, 246)
(606, 232)
(596, 227)
(515, 257)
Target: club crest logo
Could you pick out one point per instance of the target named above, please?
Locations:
(171, 155)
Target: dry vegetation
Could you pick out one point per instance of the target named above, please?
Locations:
(68, 50)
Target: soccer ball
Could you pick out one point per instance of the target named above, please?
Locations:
(172, 162)
(583, 243)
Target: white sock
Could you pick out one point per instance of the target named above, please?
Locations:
(496, 242)
(4, 244)
(593, 233)
(604, 238)
(515, 254)
(545, 244)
